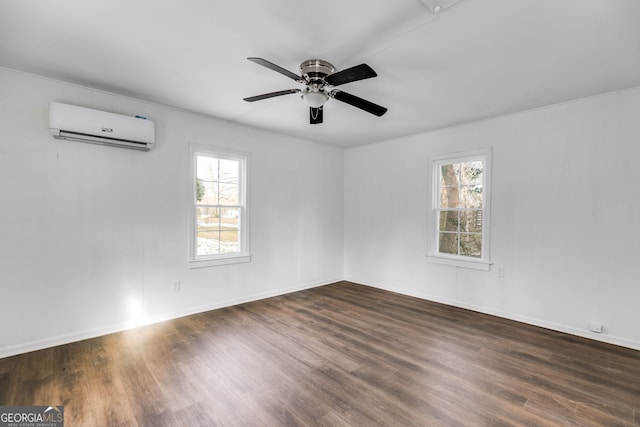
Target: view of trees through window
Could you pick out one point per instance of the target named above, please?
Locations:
(218, 207)
(460, 209)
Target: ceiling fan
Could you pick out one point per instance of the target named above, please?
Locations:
(319, 78)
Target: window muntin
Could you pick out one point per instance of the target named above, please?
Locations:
(219, 215)
(461, 207)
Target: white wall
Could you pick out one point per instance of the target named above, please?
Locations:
(565, 217)
(91, 237)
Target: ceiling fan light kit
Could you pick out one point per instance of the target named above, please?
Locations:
(319, 78)
(314, 97)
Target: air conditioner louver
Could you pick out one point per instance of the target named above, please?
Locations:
(81, 124)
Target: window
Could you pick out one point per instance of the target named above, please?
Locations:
(219, 216)
(459, 226)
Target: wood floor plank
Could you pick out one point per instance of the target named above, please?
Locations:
(336, 355)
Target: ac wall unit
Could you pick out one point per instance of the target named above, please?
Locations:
(75, 123)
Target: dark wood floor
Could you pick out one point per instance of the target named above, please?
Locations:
(338, 355)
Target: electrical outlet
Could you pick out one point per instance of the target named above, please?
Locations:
(500, 271)
(175, 286)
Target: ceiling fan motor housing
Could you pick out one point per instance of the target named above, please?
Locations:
(316, 69)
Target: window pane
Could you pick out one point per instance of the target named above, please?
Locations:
(448, 243)
(207, 180)
(208, 192)
(229, 218)
(449, 185)
(207, 217)
(471, 245)
(229, 230)
(449, 221)
(471, 196)
(207, 231)
(229, 241)
(471, 221)
(228, 194)
(471, 173)
(449, 197)
(449, 174)
(208, 243)
(200, 190)
(229, 171)
(207, 168)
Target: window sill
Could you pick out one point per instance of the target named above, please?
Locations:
(232, 259)
(471, 264)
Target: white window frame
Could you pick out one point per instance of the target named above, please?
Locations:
(435, 162)
(195, 261)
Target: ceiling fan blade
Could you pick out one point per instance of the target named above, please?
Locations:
(359, 72)
(276, 68)
(315, 115)
(271, 95)
(360, 103)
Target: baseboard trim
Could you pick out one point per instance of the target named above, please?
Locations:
(609, 339)
(97, 332)
(93, 333)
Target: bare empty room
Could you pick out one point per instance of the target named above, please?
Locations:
(292, 213)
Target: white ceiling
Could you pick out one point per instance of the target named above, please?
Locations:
(475, 59)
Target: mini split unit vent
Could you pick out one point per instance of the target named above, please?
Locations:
(99, 127)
